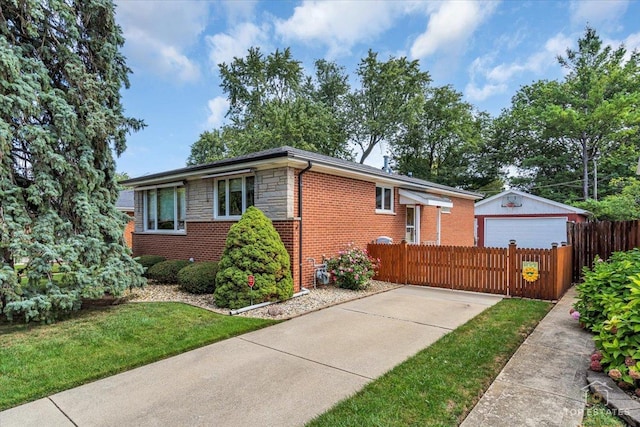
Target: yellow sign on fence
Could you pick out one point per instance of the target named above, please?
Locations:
(530, 271)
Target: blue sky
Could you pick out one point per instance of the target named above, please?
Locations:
(486, 49)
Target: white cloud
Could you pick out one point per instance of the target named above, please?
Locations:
(536, 63)
(476, 93)
(339, 25)
(478, 71)
(239, 10)
(450, 25)
(496, 78)
(597, 12)
(217, 107)
(158, 34)
(632, 42)
(223, 47)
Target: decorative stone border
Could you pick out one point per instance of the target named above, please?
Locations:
(622, 405)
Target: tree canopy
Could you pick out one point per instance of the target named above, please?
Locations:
(60, 119)
(446, 141)
(559, 132)
(390, 92)
(621, 206)
(560, 136)
(430, 130)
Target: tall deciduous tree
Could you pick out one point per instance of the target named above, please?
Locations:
(559, 131)
(211, 146)
(390, 91)
(446, 141)
(272, 103)
(60, 118)
(330, 89)
(622, 206)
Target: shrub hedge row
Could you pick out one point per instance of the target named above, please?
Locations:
(193, 277)
(609, 306)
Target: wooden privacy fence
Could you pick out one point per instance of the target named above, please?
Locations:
(601, 238)
(489, 270)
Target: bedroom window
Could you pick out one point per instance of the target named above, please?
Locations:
(384, 199)
(233, 196)
(165, 209)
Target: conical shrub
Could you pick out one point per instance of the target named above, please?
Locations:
(253, 247)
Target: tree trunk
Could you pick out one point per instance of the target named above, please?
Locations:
(7, 257)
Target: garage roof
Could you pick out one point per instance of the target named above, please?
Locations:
(483, 206)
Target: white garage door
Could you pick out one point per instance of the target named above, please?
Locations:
(527, 232)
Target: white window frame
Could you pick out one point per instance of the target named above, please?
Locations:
(145, 210)
(385, 209)
(226, 216)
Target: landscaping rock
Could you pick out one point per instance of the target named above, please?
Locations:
(316, 299)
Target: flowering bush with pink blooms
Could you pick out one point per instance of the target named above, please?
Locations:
(352, 268)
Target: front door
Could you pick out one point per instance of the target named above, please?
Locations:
(411, 235)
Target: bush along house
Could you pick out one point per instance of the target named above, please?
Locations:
(318, 204)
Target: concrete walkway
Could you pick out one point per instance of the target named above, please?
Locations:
(544, 383)
(283, 375)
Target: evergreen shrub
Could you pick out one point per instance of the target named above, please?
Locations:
(198, 277)
(253, 247)
(149, 260)
(166, 271)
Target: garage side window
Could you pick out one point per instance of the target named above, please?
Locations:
(384, 199)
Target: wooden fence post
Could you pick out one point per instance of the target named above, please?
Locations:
(511, 268)
(404, 262)
(555, 266)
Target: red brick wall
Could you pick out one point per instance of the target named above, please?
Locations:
(428, 224)
(337, 211)
(456, 228)
(128, 230)
(204, 241)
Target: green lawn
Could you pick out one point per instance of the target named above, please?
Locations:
(598, 415)
(36, 361)
(442, 383)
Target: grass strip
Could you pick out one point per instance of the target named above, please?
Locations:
(39, 360)
(442, 383)
(596, 414)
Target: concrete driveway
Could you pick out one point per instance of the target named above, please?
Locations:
(283, 375)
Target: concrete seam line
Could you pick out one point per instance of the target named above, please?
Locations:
(572, 353)
(307, 359)
(396, 318)
(60, 409)
(545, 391)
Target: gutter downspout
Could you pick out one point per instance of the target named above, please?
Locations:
(309, 164)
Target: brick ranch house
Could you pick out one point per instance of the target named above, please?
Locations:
(317, 204)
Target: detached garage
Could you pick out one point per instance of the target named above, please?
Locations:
(532, 221)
